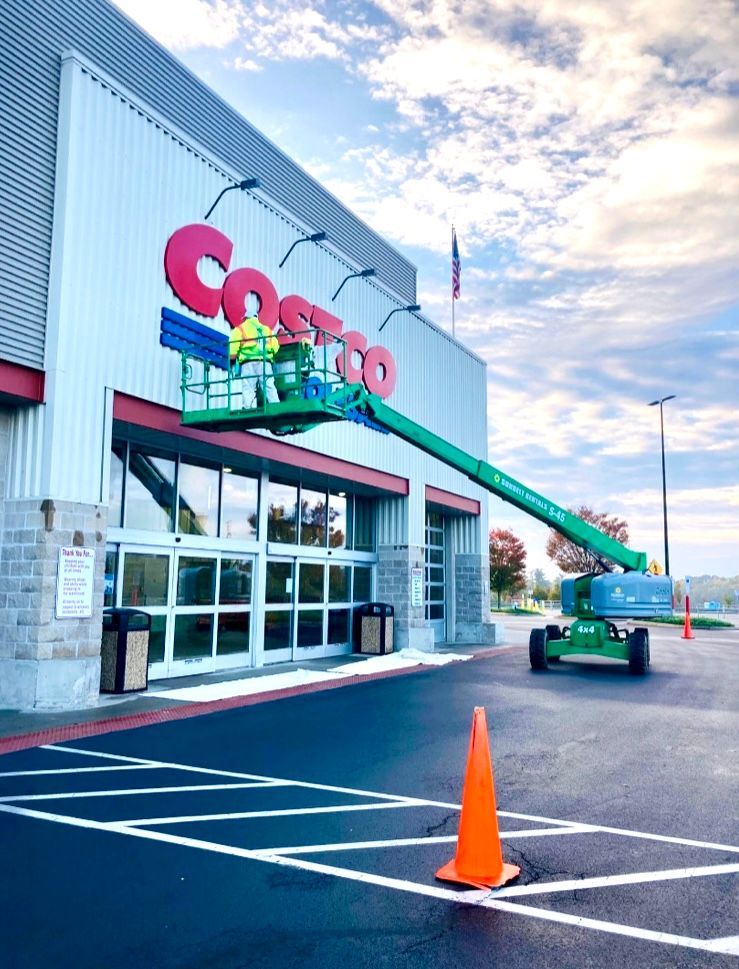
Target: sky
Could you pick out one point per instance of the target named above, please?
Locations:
(588, 155)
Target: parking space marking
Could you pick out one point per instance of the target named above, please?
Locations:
(282, 813)
(406, 842)
(610, 881)
(477, 898)
(144, 790)
(495, 899)
(76, 770)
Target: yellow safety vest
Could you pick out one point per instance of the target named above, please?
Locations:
(252, 340)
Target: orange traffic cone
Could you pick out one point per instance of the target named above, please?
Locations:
(687, 632)
(479, 859)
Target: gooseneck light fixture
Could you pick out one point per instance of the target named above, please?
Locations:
(664, 482)
(364, 274)
(245, 186)
(413, 308)
(316, 237)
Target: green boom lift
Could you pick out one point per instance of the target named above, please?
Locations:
(313, 391)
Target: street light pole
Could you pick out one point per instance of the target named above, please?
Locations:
(664, 479)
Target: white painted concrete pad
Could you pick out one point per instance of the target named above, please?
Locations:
(246, 687)
(403, 659)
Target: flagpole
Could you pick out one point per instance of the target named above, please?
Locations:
(453, 327)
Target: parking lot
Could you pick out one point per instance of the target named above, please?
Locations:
(307, 831)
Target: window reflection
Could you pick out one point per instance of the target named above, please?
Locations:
(111, 573)
(362, 584)
(338, 583)
(281, 512)
(145, 579)
(198, 500)
(193, 636)
(235, 581)
(115, 491)
(279, 582)
(149, 492)
(337, 521)
(233, 633)
(277, 630)
(196, 581)
(364, 524)
(338, 626)
(311, 582)
(312, 517)
(310, 627)
(239, 506)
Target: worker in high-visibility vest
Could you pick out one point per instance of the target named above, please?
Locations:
(252, 346)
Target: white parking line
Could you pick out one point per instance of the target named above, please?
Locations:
(476, 898)
(77, 770)
(143, 790)
(241, 815)
(406, 842)
(611, 881)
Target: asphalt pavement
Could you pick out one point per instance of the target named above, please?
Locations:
(307, 831)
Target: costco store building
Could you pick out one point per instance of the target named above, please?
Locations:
(245, 548)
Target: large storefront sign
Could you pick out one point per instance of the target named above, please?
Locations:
(188, 245)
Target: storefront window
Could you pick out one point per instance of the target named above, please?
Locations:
(235, 586)
(233, 633)
(364, 524)
(338, 626)
(338, 583)
(282, 512)
(277, 630)
(198, 500)
(193, 636)
(279, 582)
(196, 581)
(145, 579)
(337, 520)
(310, 627)
(111, 571)
(311, 582)
(239, 505)
(115, 491)
(157, 635)
(362, 584)
(150, 489)
(312, 517)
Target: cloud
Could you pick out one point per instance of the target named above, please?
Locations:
(185, 24)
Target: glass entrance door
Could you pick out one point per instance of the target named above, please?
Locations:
(200, 604)
(307, 609)
(435, 578)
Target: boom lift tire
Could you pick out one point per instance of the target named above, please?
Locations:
(553, 632)
(639, 651)
(538, 649)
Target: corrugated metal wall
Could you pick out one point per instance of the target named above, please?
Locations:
(33, 33)
(125, 183)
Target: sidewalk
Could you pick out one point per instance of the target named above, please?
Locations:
(233, 688)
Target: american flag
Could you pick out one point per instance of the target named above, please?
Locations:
(456, 266)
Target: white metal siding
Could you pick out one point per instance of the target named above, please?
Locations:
(33, 34)
(125, 184)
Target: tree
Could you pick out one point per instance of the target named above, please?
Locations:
(507, 561)
(570, 557)
(539, 584)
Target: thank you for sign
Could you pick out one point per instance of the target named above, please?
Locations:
(74, 583)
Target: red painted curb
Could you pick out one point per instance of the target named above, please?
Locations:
(93, 728)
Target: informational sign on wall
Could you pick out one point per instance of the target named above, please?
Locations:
(416, 588)
(75, 580)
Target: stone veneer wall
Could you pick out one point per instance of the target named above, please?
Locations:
(474, 622)
(394, 586)
(47, 663)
